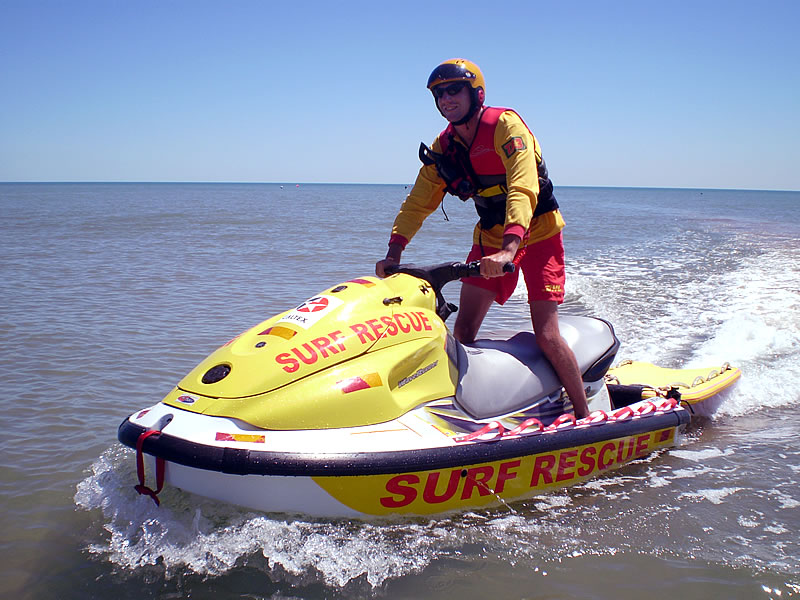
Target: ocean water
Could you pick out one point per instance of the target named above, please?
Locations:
(110, 293)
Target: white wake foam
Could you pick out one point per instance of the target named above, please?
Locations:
(187, 533)
(747, 315)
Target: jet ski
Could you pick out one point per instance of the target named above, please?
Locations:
(359, 402)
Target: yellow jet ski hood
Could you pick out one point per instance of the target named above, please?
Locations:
(334, 326)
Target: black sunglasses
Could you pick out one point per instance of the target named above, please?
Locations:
(451, 89)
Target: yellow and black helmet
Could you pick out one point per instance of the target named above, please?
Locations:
(453, 71)
(457, 69)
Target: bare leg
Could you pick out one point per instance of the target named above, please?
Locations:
(475, 302)
(544, 314)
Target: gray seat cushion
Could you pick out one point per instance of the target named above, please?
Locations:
(498, 377)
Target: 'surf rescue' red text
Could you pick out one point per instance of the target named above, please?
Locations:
(367, 332)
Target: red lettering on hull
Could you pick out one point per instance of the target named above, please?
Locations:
(541, 469)
(566, 464)
(458, 486)
(400, 486)
(478, 478)
(587, 461)
(429, 494)
(504, 474)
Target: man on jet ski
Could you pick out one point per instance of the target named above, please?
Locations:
(489, 155)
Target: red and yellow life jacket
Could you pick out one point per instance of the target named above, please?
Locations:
(478, 172)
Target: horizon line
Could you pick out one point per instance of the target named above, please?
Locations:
(300, 183)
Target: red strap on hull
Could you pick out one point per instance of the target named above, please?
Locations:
(142, 488)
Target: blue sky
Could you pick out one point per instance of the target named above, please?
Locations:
(634, 93)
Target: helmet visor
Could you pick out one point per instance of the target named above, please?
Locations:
(450, 72)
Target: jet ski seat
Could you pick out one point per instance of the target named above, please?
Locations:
(500, 377)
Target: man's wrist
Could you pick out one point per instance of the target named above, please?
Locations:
(395, 252)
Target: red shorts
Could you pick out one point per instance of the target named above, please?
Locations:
(542, 266)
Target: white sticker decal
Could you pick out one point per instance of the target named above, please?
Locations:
(312, 310)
